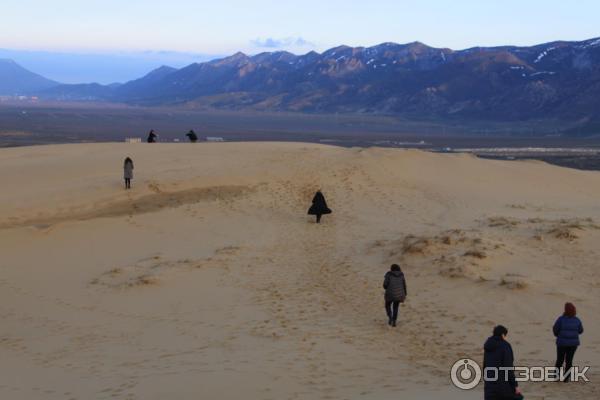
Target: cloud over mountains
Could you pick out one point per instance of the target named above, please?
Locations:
(278, 43)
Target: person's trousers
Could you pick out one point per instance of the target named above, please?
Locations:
(565, 353)
(500, 392)
(127, 183)
(391, 309)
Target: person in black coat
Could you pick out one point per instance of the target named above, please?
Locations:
(192, 136)
(152, 136)
(319, 206)
(498, 353)
(394, 284)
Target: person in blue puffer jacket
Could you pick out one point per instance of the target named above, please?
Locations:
(567, 329)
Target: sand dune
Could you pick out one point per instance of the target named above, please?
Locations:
(208, 279)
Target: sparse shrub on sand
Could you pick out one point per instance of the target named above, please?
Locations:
(452, 237)
(444, 260)
(566, 229)
(447, 240)
(379, 243)
(502, 222)
(455, 271)
(450, 252)
(228, 250)
(423, 244)
(517, 206)
(416, 245)
(513, 284)
(144, 273)
(562, 232)
(590, 223)
(455, 254)
(114, 271)
(573, 224)
(143, 280)
(535, 220)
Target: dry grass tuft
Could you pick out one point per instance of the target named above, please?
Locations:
(476, 253)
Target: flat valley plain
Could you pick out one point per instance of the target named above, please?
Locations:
(45, 122)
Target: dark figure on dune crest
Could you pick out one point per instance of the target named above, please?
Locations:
(128, 172)
(319, 206)
(152, 136)
(567, 329)
(395, 292)
(497, 354)
(192, 136)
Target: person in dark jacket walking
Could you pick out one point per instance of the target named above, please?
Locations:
(192, 136)
(394, 284)
(319, 206)
(567, 329)
(152, 136)
(128, 172)
(497, 354)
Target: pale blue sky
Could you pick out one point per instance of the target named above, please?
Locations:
(225, 26)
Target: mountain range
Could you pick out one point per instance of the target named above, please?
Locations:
(558, 80)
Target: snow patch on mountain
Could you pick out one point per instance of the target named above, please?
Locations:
(544, 54)
(593, 43)
(543, 73)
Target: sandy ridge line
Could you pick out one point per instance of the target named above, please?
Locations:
(145, 204)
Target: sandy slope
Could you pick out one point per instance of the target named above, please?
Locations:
(207, 279)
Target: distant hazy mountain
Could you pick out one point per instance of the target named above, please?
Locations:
(103, 68)
(135, 91)
(16, 80)
(553, 80)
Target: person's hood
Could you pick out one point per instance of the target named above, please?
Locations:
(493, 343)
(396, 273)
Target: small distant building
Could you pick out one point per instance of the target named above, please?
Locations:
(176, 140)
(133, 140)
(214, 139)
